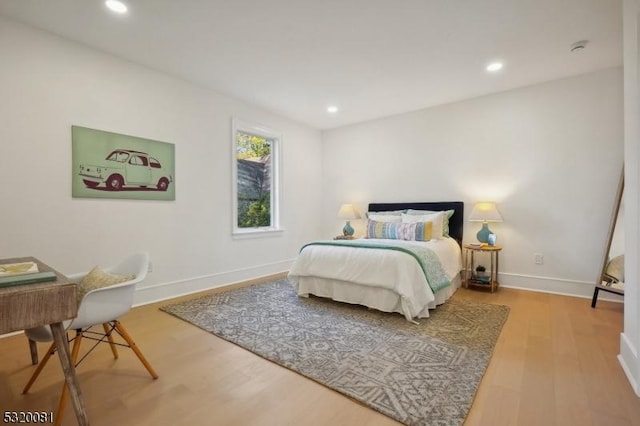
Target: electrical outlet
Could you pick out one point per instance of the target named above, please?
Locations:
(538, 258)
(150, 268)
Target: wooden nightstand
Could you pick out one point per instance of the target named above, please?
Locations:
(344, 237)
(470, 278)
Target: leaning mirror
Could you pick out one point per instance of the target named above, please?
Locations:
(611, 277)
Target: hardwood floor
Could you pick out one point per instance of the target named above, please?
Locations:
(554, 364)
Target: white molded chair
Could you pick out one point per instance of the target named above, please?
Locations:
(101, 306)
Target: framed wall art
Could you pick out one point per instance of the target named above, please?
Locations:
(111, 165)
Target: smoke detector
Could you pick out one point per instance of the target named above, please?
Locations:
(579, 46)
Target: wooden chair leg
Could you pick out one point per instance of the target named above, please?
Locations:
(34, 376)
(63, 396)
(33, 348)
(62, 403)
(112, 344)
(134, 347)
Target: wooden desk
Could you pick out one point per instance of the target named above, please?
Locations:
(32, 305)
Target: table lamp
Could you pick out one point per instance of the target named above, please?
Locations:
(485, 212)
(348, 212)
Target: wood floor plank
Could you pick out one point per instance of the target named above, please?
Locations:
(554, 364)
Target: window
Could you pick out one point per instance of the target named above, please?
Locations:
(119, 156)
(154, 163)
(255, 179)
(137, 160)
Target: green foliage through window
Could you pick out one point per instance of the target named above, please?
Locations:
(258, 213)
(253, 157)
(251, 146)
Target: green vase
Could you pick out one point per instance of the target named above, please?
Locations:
(348, 229)
(483, 234)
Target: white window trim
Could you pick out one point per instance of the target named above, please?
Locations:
(276, 150)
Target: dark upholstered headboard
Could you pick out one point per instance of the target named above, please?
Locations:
(456, 223)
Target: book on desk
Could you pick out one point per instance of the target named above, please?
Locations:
(11, 269)
(23, 273)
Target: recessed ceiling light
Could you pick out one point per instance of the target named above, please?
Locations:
(332, 109)
(116, 6)
(495, 66)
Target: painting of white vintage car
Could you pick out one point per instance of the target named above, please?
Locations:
(114, 165)
(124, 168)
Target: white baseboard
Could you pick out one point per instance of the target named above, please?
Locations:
(159, 292)
(628, 359)
(13, 333)
(561, 286)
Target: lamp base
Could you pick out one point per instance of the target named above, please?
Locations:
(483, 233)
(348, 230)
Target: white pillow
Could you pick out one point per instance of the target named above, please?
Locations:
(389, 212)
(445, 219)
(378, 217)
(437, 219)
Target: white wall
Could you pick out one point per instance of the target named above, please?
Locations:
(48, 84)
(630, 337)
(550, 155)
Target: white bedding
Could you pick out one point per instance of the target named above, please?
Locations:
(388, 280)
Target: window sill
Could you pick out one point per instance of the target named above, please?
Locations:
(256, 233)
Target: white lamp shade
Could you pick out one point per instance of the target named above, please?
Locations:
(348, 212)
(485, 212)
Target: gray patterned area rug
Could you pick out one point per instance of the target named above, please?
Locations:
(424, 374)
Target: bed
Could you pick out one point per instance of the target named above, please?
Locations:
(393, 273)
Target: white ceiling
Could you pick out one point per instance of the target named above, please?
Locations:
(371, 58)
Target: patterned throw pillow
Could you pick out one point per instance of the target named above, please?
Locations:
(419, 231)
(98, 278)
(436, 219)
